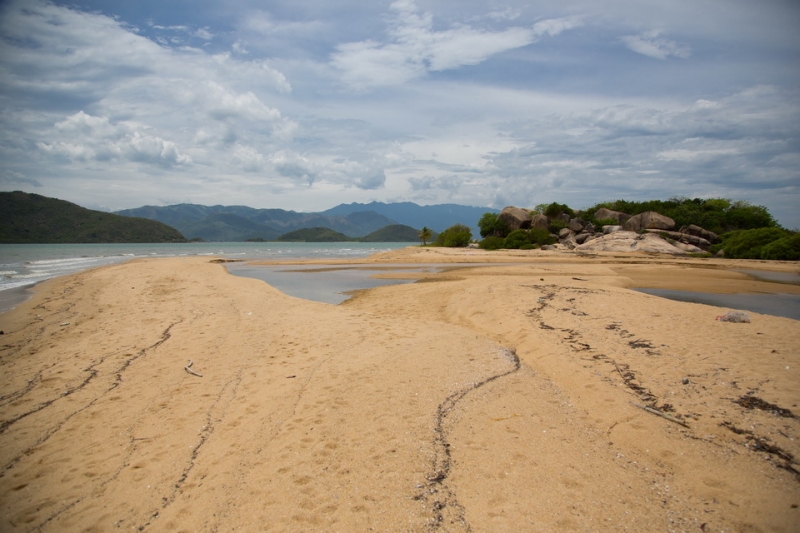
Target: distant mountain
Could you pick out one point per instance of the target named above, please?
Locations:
(315, 235)
(240, 223)
(227, 227)
(31, 218)
(393, 233)
(436, 217)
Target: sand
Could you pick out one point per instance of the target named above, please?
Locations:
(501, 397)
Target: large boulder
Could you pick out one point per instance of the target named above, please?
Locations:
(605, 214)
(629, 241)
(683, 237)
(649, 220)
(576, 225)
(539, 221)
(515, 218)
(697, 231)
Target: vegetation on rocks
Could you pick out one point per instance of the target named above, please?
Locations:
(719, 215)
(734, 229)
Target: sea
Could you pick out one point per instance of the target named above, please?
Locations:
(24, 265)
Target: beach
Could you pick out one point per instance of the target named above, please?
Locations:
(506, 391)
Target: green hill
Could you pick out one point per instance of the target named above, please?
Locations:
(31, 218)
(393, 233)
(228, 227)
(315, 235)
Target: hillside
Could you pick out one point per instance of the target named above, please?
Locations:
(393, 233)
(437, 217)
(240, 223)
(315, 235)
(31, 218)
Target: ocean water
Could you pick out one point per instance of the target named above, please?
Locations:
(23, 265)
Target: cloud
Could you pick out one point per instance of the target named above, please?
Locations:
(652, 45)
(736, 146)
(82, 137)
(415, 48)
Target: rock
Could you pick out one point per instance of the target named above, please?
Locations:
(683, 237)
(569, 241)
(548, 247)
(583, 237)
(649, 220)
(604, 214)
(539, 221)
(563, 217)
(589, 228)
(629, 241)
(515, 218)
(564, 233)
(697, 231)
(576, 225)
(688, 248)
(611, 229)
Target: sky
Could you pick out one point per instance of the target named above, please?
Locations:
(306, 104)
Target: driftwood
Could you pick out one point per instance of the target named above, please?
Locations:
(188, 368)
(662, 414)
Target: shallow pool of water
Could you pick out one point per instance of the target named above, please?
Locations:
(785, 305)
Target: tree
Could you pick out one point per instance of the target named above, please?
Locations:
(455, 236)
(491, 225)
(425, 235)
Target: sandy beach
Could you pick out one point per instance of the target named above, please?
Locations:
(510, 391)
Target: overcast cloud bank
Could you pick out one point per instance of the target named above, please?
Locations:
(302, 106)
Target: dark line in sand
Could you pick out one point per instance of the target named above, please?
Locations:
(443, 498)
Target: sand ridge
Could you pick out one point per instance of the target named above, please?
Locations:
(487, 399)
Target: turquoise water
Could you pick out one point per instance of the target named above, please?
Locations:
(23, 265)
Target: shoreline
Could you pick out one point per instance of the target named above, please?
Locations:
(402, 408)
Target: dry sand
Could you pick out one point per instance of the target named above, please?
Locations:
(497, 398)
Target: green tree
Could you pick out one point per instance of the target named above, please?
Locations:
(491, 225)
(517, 238)
(456, 236)
(749, 243)
(425, 235)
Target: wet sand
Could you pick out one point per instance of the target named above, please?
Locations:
(498, 398)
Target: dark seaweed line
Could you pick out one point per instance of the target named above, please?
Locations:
(442, 462)
(118, 378)
(210, 426)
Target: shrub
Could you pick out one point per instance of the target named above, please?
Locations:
(785, 249)
(517, 238)
(490, 224)
(456, 236)
(748, 244)
(555, 210)
(541, 236)
(528, 247)
(492, 243)
(556, 226)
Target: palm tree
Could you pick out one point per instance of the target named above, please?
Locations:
(425, 235)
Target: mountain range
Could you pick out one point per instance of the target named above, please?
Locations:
(240, 223)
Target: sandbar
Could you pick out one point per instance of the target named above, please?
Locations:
(527, 392)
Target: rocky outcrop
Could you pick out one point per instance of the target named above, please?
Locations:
(576, 225)
(515, 218)
(539, 221)
(697, 231)
(605, 214)
(684, 238)
(629, 241)
(649, 220)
